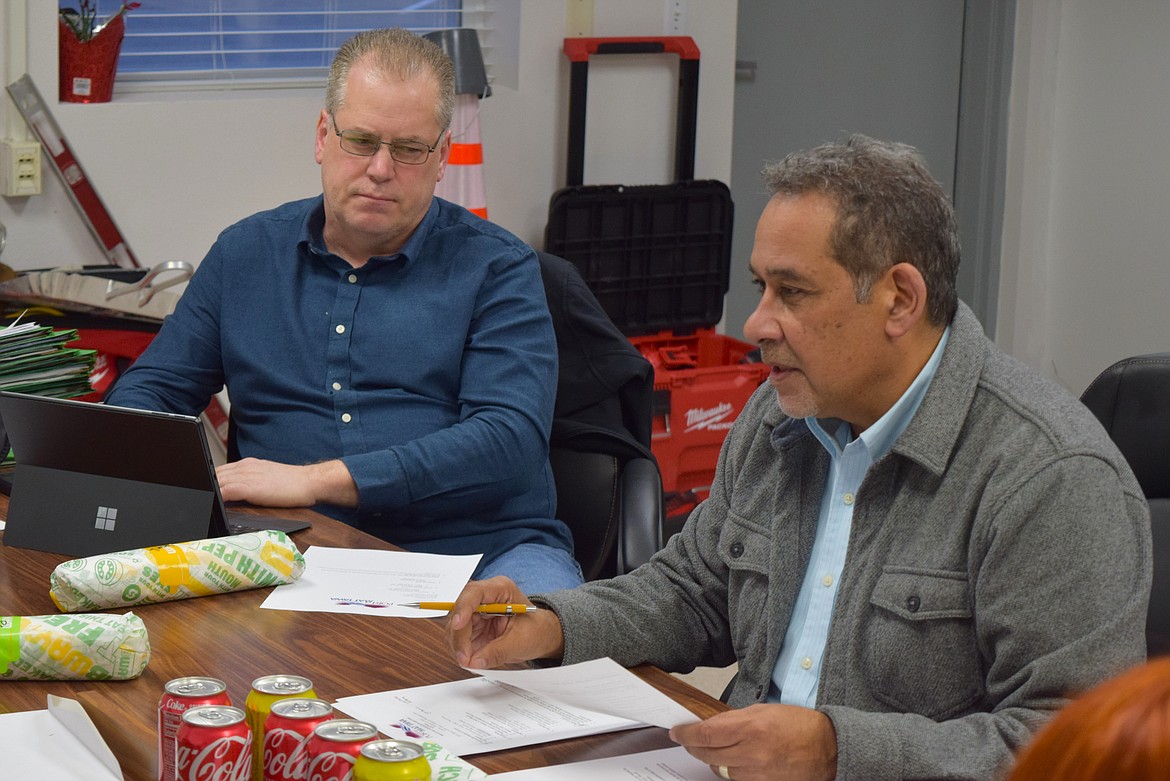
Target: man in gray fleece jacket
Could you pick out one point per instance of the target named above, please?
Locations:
(915, 557)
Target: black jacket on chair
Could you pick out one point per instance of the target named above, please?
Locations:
(604, 385)
(609, 490)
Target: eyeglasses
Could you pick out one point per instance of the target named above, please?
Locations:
(366, 145)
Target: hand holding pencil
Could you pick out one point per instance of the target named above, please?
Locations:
(479, 641)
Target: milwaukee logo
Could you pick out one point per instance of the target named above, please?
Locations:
(106, 517)
(717, 418)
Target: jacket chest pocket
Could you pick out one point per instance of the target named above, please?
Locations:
(922, 655)
(745, 552)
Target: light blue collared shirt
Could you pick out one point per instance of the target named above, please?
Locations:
(796, 676)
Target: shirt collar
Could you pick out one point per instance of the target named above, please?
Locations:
(880, 437)
(313, 234)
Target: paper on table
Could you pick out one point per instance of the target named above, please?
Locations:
(600, 685)
(373, 582)
(664, 764)
(58, 744)
(476, 715)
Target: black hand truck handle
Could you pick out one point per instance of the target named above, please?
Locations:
(579, 50)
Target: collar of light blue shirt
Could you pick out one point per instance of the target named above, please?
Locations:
(880, 437)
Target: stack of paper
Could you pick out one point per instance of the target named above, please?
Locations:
(509, 708)
(34, 359)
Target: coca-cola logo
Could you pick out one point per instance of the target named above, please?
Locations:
(285, 754)
(330, 766)
(225, 759)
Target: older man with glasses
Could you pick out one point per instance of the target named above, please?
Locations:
(389, 356)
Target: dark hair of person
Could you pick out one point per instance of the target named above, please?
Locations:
(890, 210)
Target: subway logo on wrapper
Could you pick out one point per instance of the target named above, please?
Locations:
(95, 646)
(164, 573)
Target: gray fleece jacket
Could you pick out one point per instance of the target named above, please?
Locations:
(999, 561)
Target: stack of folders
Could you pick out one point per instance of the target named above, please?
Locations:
(36, 359)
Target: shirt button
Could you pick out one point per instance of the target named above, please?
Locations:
(352, 278)
(340, 329)
(848, 497)
(337, 386)
(346, 417)
(736, 550)
(913, 603)
(827, 580)
(806, 663)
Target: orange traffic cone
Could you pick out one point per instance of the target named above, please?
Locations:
(463, 182)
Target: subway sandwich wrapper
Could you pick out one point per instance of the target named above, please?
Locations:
(89, 646)
(165, 573)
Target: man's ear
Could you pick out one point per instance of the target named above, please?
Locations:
(907, 302)
(444, 151)
(321, 137)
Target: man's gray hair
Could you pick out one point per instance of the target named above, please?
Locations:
(394, 52)
(889, 210)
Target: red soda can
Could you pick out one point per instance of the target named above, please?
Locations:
(214, 744)
(287, 731)
(334, 748)
(266, 690)
(179, 695)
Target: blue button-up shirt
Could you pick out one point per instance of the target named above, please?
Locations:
(431, 372)
(796, 677)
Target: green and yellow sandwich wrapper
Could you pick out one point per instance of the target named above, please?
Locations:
(168, 572)
(85, 646)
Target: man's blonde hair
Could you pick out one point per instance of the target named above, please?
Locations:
(394, 51)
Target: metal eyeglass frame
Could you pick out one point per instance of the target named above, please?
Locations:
(391, 144)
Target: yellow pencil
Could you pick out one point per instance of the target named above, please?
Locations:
(495, 608)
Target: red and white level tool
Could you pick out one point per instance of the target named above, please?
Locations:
(81, 191)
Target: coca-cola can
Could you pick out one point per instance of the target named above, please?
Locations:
(266, 690)
(180, 695)
(214, 744)
(334, 748)
(287, 731)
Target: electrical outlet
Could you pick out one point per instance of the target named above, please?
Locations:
(676, 17)
(20, 168)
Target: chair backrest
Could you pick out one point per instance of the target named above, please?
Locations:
(601, 423)
(1132, 400)
(588, 501)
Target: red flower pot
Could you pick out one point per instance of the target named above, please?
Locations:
(87, 68)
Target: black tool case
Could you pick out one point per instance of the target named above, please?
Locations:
(656, 256)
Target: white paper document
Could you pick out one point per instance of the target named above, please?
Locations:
(509, 708)
(600, 685)
(58, 744)
(665, 764)
(373, 582)
(476, 715)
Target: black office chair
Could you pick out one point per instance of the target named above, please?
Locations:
(1132, 400)
(609, 489)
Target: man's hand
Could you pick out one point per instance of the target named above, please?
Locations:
(483, 641)
(270, 484)
(764, 742)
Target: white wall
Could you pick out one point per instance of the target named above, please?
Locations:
(1086, 262)
(175, 170)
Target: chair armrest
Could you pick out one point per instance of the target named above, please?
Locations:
(642, 514)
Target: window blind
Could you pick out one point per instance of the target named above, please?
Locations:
(214, 40)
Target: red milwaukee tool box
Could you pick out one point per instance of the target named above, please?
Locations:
(658, 259)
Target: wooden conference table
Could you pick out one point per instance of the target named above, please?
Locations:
(227, 636)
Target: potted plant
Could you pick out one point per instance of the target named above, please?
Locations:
(88, 53)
